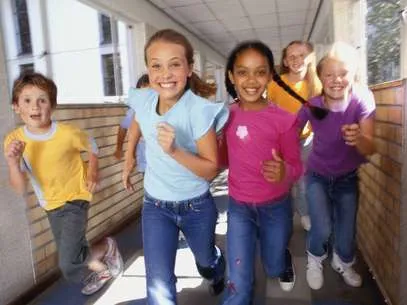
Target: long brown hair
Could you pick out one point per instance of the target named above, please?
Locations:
(311, 77)
(195, 83)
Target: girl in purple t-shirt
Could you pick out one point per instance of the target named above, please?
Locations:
(341, 141)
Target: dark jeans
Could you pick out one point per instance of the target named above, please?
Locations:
(68, 224)
(332, 203)
(272, 223)
(161, 222)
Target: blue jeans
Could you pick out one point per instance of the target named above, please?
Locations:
(272, 224)
(332, 203)
(299, 198)
(161, 222)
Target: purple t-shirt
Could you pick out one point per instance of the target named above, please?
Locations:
(330, 156)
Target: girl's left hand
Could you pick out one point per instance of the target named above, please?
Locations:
(166, 137)
(274, 170)
(92, 181)
(351, 133)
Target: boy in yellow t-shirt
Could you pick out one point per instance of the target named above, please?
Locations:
(49, 153)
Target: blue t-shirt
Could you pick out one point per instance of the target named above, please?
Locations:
(192, 117)
(140, 149)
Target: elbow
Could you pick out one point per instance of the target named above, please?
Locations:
(212, 172)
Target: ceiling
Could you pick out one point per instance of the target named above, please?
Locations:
(223, 23)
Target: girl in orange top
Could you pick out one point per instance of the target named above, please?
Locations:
(297, 69)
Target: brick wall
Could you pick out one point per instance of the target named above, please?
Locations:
(380, 186)
(111, 205)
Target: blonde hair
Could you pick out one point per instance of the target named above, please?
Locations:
(347, 54)
(311, 77)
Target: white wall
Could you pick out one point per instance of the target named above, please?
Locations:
(66, 46)
(143, 11)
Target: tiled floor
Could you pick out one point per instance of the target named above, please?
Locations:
(129, 289)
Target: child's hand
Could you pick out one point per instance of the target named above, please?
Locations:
(274, 170)
(126, 181)
(14, 152)
(351, 133)
(166, 137)
(92, 181)
(118, 154)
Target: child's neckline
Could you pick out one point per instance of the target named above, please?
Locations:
(43, 136)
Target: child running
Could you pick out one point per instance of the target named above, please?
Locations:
(259, 205)
(298, 71)
(341, 141)
(179, 128)
(49, 153)
(122, 132)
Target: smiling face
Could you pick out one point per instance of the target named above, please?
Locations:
(250, 76)
(34, 107)
(168, 70)
(296, 58)
(336, 78)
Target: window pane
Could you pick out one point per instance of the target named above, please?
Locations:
(26, 68)
(384, 38)
(22, 27)
(105, 29)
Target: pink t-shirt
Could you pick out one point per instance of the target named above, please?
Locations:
(250, 138)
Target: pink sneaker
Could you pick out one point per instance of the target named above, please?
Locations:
(112, 258)
(95, 281)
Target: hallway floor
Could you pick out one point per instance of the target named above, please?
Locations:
(129, 289)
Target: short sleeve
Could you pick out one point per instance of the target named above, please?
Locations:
(84, 142)
(139, 99)
(126, 122)
(206, 115)
(366, 100)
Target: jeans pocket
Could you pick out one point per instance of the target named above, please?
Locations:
(201, 204)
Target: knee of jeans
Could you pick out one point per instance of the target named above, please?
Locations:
(242, 291)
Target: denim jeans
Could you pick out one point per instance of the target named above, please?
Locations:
(272, 224)
(68, 224)
(299, 198)
(332, 203)
(161, 221)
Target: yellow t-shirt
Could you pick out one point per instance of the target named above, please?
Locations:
(53, 163)
(286, 101)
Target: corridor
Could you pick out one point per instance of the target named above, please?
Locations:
(129, 289)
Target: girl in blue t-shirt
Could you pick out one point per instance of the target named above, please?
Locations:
(179, 129)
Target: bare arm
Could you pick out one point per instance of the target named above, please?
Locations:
(129, 160)
(121, 135)
(92, 176)
(17, 178)
(203, 164)
(361, 136)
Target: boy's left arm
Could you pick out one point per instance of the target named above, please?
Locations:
(92, 175)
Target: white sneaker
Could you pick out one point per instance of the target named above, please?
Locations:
(350, 276)
(306, 222)
(315, 275)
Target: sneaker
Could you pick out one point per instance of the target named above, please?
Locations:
(112, 258)
(287, 278)
(315, 276)
(306, 222)
(350, 276)
(95, 281)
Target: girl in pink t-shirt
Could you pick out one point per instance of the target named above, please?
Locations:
(260, 203)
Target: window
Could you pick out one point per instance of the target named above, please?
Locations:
(26, 68)
(22, 27)
(383, 40)
(112, 80)
(106, 26)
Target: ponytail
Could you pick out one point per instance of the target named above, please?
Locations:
(199, 87)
